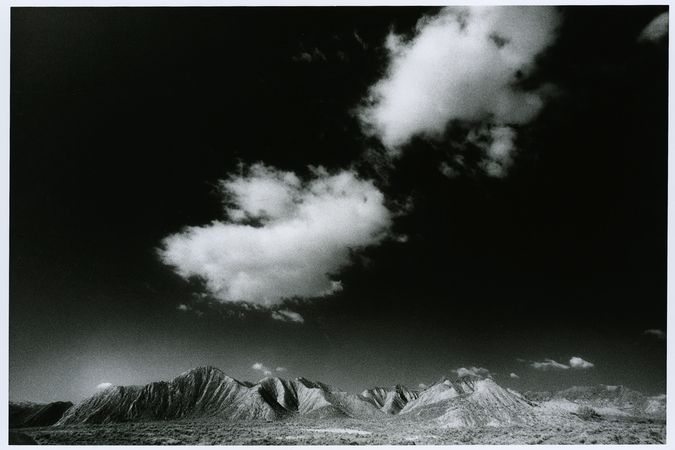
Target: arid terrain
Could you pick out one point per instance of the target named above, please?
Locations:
(205, 406)
(350, 431)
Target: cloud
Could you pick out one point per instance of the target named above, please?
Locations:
(286, 315)
(658, 334)
(578, 363)
(514, 376)
(422, 386)
(183, 307)
(282, 237)
(461, 65)
(656, 30)
(261, 368)
(103, 386)
(498, 145)
(473, 371)
(281, 369)
(310, 56)
(549, 364)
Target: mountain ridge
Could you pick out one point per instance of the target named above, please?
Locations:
(468, 400)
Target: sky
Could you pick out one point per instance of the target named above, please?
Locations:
(362, 196)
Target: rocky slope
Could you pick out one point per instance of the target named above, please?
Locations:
(604, 399)
(208, 392)
(473, 401)
(390, 400)
(27, 414)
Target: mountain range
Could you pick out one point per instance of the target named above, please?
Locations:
(610, 400)
(27, 414)
(469, 400)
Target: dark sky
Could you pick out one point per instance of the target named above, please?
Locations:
(124, 119)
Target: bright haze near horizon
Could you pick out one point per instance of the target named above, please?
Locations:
(359, 196)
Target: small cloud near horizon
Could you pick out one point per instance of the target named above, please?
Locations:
(104, 386)
(514, 376)
(286, 315)
(578, 363)
(474, 371)
(548, 364)
(658, 334)
(261, 368)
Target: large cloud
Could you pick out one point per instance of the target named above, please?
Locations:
(282, 237)
(461, 65)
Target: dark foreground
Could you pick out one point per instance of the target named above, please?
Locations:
(349, 431)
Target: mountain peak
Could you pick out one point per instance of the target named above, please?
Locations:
(202, 370)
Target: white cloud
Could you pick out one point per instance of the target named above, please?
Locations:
(103, 386)
(261, 368)
(549, 364)
(303, 234)
(281, 369)
(497, 143)
(658, 334)
(579, 363)
(462, 65)
(656, 30)
(473, 371)
(514, 376)
(422, 386)
(286, 315)
(183, 307)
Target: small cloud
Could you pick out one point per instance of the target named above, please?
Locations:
(286, 315)
(655, 30)
(497, 144)
(422, 386)
(658, 334)
(514, 376)
(578, 363)
(262, 368)
(473, 371)
(183, 307)
(402, 238)
(303, 57)
(103, 386)
(307, 57)
(548, 364)
(521, 360)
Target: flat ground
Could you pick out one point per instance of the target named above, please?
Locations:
(350, 431)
